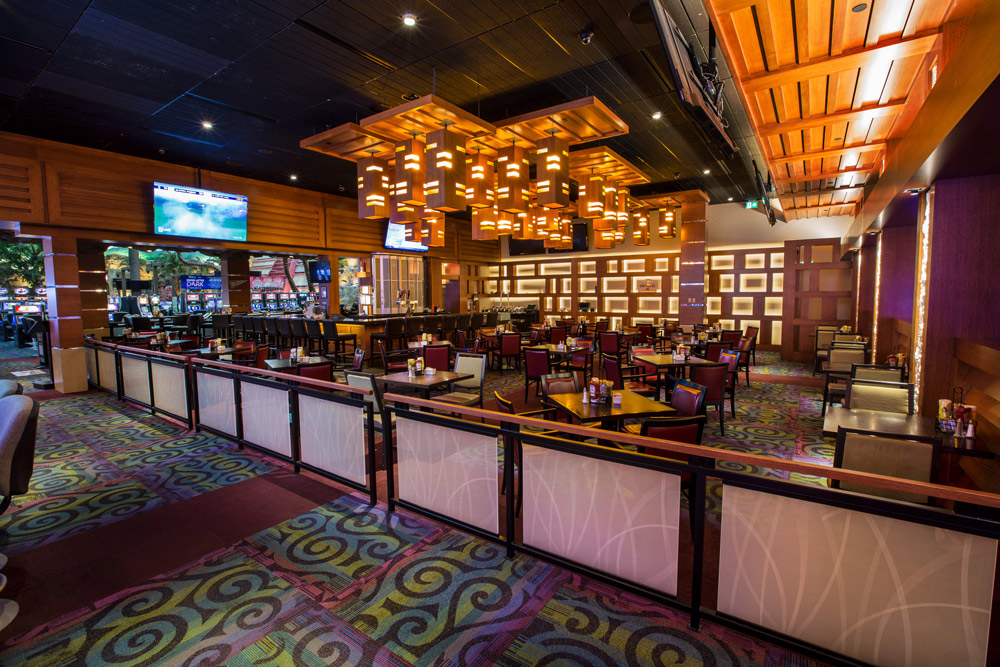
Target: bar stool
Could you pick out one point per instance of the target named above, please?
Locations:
(314, 337)
(273, 332)
(413, 327)
(394, 331)
(432, 325)
(298, 332)
(447, 329)
(464, 323)
(284, 332)
(491, 319)
(478, 321)
(259, 326)
(341, 340)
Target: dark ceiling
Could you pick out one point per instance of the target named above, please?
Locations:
(140, 78)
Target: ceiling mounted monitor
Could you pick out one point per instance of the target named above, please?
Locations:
(179, 210)
(697, 82)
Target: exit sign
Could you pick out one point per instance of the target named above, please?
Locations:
(751, 204)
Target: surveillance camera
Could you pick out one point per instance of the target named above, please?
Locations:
(161, 151)
(586, 36)
(340, 188)
(677, 174)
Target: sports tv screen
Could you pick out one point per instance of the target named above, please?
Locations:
(320, 272)
(179, 210)
(395, 239)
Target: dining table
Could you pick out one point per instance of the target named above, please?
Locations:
(214, 352)
(610, 416)
(665, 363)
(877, 421)
(424, 383)
(290, 364)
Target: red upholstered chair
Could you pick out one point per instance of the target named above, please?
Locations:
(732, 359)
(626, 381)
(647, 371)
(751, 333)
(601, 326)
(714, 348)
(508, 349)
(678, 429)
(560, 383)
(507, 407)
(285, 354)
(582, 360)
(317, 372)
(392, 363)
(356, 364)
(260, 361)
(437, 357)
(714, 378)
(536, 364)
(536, 335)
(731, 337)
(557, 335)
(688, 398)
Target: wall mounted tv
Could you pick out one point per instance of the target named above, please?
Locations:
(395, 239)
(320, 272)
(534, 247)
(179, 210)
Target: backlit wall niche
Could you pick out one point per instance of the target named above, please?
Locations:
(745, 287)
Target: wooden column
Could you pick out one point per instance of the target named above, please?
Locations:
(692, 273)
(62, 282)
(93, 280)
(236, 281)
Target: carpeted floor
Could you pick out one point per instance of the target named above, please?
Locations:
(143, 543)
(20, 364)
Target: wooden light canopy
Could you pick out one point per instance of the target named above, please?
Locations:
(427, 157)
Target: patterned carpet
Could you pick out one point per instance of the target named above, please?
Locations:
(341, 583)
(345, 584)
(14, 359)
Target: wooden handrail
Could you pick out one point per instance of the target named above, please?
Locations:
(310, 382)
(153, 353)
(842, 474)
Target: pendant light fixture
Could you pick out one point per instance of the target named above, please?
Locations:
(512, 179)
(373, 187)
(480, 192)
(590, 202)
(444, 186)
(552, 171)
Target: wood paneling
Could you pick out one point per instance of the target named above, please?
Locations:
(809, 299)
(21, 195)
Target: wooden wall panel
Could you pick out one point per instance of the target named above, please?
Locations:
(21, 190)
(99, 199)
(349, 236)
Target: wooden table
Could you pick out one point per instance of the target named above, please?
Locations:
(215, 352)
(664, 362)
(554, 349)
(423, 382)
(633, 406)
(878, 422)
(417, 345)
(288, 364)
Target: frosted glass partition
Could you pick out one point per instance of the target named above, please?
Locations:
(449, 471)
(135, 379)
(332, 437)
(106, 367)
(266, 417)
(610, 516)
(169, 391)
(216, 403)
(91, 364)
(881, 590)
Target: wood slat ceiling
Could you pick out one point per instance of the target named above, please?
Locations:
(826, 83)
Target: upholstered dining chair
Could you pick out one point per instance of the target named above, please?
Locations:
(536, 364)
(714, 377)
(835, 392)
(882, 396)
(507, 407)
(467, 392)
(889, 454)
(688, 398)
(621, 380)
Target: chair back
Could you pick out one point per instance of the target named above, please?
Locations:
(271, 325)
(510, 344)
(448, 324)
(713, 377)
(688, 398)
(601, 326)
(557, 335)
(751, 332)
(892, 455)
(365, 381)
(298, 327)
(877, 373)
(503, 405)
(394, 327)
(608, 341)
(730, 359)
(221, 324)
(491, 319)
(881, 396)
(645, 333)
(845, 338)
(461, 339)
(285, 327)
(467, 362)
(823, 338)
(437, 356)
(613, 370)
(843, 359)
(714, 348)
(139, 322)
(317, 372)
(313, 329)
(464, 322)
(9, 388)
(359, 359)
(478, 321)
(560, 383)
(259, 325)
(677, 429)
(18, 430)
(536, 363)
(731, 337)
(260, 361)
(745, 344)
(382, 355)
(535, 336)
(413, 326)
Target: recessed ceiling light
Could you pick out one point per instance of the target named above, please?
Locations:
(409, 19)
(409, 97)
(860, 7)
(707, 172)
(207, 124)
(293, 177)
(730, 199)
(657, 115)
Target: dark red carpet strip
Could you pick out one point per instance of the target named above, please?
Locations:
(58, 578)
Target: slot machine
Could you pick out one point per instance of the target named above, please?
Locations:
(154, 305)
(288, 301)
(271, 299)
(192, 302)
(144, 306)
(256, 301)
(213, 301)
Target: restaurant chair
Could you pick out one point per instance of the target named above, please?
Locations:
(601, 326)
(688, 430)
(437, 356)
(357, 364)
(536, 337)
(10, 388)
(394, 332)
(732, 360)
(625, 381)
(824, 337)
(557, 335)
(341, 339)
(582, 360)
(881, 396)
(731, 337)
(412, 328)
(652, 375)
(645, 334)
(751, 333)
(477, 322)
(299, 338)
(431, 325)
(273, 331)
(888, 454)
(467, 392)
(688, 398)
(190, 341)
(393, 362)
(259, 329)
(714, 348)
(609, 342)
(464, 324)
(447, 329)
(492, 319)
(507, 407)
(745, 349)
(261, 356)
(838, 370)
(508, 349)
(462, 341)
(317, 372)
(836, 392)
(222, 326)
(536, 364)
(245, 354)
(714, 377)
(285, 337)
(314, 337)
(367, 381)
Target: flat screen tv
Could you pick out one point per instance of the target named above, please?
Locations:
(581, 239)
(395, 239)
(320, 272)
(179, 210)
